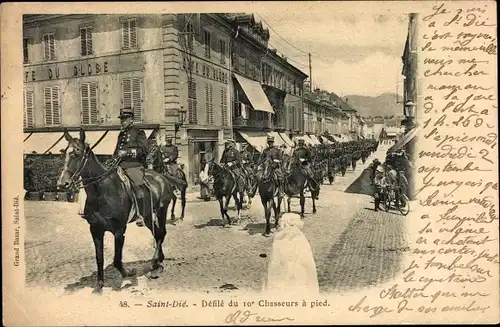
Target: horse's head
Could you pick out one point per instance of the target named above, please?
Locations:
(76, 158)
(213, 167)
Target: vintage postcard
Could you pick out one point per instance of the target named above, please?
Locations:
(249, 163)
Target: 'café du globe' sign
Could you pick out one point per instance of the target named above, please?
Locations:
(83, 68)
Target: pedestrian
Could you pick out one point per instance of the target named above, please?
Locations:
(291, 268)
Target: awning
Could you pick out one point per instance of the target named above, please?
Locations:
(255, 139)
(314, 139)
(404, 140)
(344, 138)
(108, 144)
(337, 138)
(278, 141)
(287, 140)
(40, 142)
(255, 94)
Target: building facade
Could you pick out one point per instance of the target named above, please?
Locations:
(192, 76)
(80, 70)
(410, 69)
(267, 89)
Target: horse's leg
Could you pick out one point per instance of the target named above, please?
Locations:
(160, 232)
(183, 202)
(98, 237)
(276, 209)
(226, 205)
(288, 200)
(302, 202)
(221, 205)
(172, 213)
(314, 201)
(267, 214)
(240, 204)
(118, 261)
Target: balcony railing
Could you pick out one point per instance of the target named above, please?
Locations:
(253, 123)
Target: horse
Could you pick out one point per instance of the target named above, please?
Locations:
(295, 183)
(251, 182)
(225, 187)
(268, 190)
(155, 159)
(108, 205)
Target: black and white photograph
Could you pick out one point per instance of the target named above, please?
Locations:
(252, 150)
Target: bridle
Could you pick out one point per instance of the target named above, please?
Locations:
(75, 181)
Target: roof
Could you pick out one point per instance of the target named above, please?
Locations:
(341, 103)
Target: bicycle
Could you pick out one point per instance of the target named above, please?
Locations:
(390, 199)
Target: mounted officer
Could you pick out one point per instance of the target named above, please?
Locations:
(303, 155)
(273, 153)
(170, 155)
(231, 159)
(132, 150)
(246, 160)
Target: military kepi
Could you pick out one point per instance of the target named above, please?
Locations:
(126, 112)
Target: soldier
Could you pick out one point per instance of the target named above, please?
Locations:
(132, 150)
(380, 184)
(274, 154)
(170, 155)
(231, 158)
(303, 154)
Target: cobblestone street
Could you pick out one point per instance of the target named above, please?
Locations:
(353, 245)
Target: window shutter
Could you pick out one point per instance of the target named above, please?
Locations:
(127, 93)
(137, 99)
(94, 111)
(46, 46)
(133, 33)
(25, 111)
(84, 89)
(223, 101)
(125, 35)
(89, 41)
(192, 103)
(83, 41)
(55, 105)
(47, 95)
(52, 47)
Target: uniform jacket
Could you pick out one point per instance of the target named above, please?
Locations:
(302, 153)
(272, 153)
(230, 155)
(171, 152)
(134, 141)
(246, 155)
(379, 182)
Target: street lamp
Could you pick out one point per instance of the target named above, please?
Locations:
(180, 119)
(410, 109)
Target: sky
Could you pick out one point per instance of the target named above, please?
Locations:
(351, 53)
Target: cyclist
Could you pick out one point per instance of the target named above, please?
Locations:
(380, 184)
(401, 187)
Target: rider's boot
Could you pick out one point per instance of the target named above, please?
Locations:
(140, 218)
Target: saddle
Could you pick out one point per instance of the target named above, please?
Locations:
(132, 193)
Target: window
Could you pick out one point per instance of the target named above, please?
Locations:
(222, 44)
(190, 36)
(28, 108)
(129, 34)
(192, 103)
(49, 47)
(86, 41)
(132, 96)
(25, 50)
(52, 105)
(223, 106)
(209, 104)
(206, 39)
(90, 111)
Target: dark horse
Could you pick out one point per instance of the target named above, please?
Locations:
(226, 186)
(332, 168)
(155, 158)
(295, 183)
(268, 190)
(108, 205)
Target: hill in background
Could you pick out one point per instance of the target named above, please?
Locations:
(382, 105)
